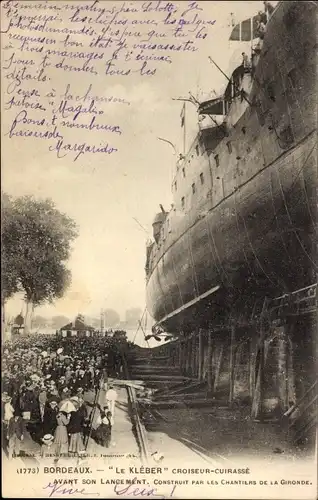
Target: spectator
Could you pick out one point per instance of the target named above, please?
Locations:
(15, 435)
(111, 398)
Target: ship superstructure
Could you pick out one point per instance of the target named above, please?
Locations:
(243, 219)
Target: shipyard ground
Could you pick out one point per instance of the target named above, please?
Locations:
(124, 446)
(221, 436)
(123, 441)
(181, 442)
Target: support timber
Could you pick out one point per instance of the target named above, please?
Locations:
(256, 363)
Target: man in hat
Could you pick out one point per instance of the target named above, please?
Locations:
(80, 381)
(90, 377)
(30, 403)
(72, 384)
(97, 380)
(104, 379)
(8, 410)
(86, 379)
(77, 369)
(65, 394)
(245, 62)
(68, 375)
(110, 399)
(42, 399)
(80, 392)
(61, 384)
(46, 445)
(83, 412)
(15, 435)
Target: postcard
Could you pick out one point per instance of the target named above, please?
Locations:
(159, 252)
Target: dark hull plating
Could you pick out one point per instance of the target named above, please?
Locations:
(253, 231)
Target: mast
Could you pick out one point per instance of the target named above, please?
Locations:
(102, 321)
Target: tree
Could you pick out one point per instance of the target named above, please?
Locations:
(112, 318)
(19, 320)
(80, 318)
(9, 279)
(59, 321)
(37, 242)
(9, 274)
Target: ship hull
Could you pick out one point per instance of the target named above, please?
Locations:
(263, 239)
(258, 238)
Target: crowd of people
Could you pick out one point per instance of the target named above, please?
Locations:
(45, 380)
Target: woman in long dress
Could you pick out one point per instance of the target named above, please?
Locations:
(75, 429)
(102, 434)
(49, 418)
(61, 437)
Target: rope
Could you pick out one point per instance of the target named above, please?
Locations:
(146, 329)
(91, 417)
(139, 325)
(143, 331)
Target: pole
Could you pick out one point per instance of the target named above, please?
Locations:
(102, 321)
(229, 79)
(209, 377)
(91, 418)
(218, 67)
(232, 362)
(200, 367)
(139, 325)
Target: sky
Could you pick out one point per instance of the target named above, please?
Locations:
(106, 195)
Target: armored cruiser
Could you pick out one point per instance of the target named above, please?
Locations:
(242, 223)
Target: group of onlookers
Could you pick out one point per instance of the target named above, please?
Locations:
(45, 385)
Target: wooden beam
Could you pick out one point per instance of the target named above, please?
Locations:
(200, 360)
(218, 368)
(186, 386)
(232, 362)
(194, 356)
(187, 305)
(189, 346)
(261, 375)
(257, 405)
(181, 357)
(209, 374)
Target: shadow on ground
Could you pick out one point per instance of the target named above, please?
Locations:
(225, 433)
